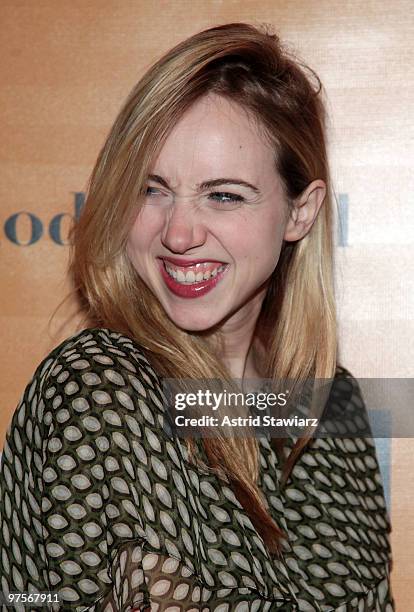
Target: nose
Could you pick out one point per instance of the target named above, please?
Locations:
(183, 229)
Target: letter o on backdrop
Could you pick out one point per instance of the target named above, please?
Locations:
(11, 229)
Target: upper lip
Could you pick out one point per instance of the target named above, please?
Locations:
(189, 262)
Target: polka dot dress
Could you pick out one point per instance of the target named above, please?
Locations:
(100, 505)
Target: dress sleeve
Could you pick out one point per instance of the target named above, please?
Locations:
(76, 479)
(52, 500)
(369, 522)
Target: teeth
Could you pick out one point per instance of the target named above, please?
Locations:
(170, 271)
(190, 277)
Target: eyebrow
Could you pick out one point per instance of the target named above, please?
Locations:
(208, 184)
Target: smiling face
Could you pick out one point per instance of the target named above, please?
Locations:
(209, 234)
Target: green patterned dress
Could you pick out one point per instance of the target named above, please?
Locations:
(100, 505)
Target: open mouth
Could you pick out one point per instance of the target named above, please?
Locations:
(192, 280)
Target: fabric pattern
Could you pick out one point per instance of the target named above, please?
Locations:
(99, 504)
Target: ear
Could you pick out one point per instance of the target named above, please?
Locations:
(305, 210)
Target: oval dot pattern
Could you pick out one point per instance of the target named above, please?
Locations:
(100, 504)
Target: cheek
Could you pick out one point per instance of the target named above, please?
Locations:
(146, 226)
(262, 250)
(261, 239)
(135, 244)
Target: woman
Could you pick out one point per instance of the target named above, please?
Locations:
(204, 251)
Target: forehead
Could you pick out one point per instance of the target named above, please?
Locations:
(215, 138)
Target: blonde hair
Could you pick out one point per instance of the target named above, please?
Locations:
(297, 323)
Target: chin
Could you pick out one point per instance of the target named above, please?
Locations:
(193, 324)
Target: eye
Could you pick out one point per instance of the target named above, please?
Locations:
(152, 191)
(155, 196)
(225, 198)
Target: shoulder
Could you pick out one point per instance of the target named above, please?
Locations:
(92, 353)
(97, 379)
(345, 377)
(345, 407)
(97, 348)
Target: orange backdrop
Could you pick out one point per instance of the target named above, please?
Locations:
(66, 68)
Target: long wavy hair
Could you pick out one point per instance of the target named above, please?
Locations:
(297, 322)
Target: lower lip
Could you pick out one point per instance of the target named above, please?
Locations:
(190, 291)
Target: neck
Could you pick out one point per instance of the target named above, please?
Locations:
(241, 348)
